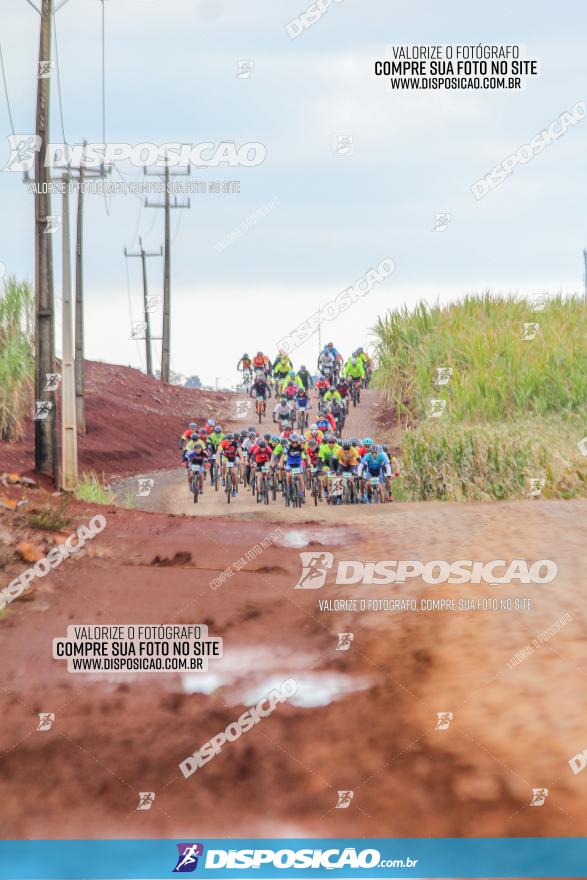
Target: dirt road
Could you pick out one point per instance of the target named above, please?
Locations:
(363, 719)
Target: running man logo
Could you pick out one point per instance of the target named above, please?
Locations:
(244, 69)
(344, 800)
(539, 795)
(146, 799)
(441, 222)
(23, 148)
(344, 641)
(52, 381)
(578, 762)
(343, 144)
(52, 223)
(42, 410)
(538, 302)
(530, 331)
(443, 375)
(444, 719)
(145, 485)
(152, 304)
(139, 329)
(582, 446)
(437, 407)
(46, 719)
(315, 567)
(46, 68)
(536, 486)
(187, 860)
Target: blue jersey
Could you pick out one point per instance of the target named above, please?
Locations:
(375, 463)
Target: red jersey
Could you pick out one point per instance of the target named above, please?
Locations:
(229, 449)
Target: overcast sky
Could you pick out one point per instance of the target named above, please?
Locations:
(171, 70)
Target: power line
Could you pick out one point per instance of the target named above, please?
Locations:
(58, 77)
(6, 90)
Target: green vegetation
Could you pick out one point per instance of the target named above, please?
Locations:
(91, 488)
(16, 357)
(514, 407)
(50, 517)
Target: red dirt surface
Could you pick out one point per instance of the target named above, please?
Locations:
(132, 423)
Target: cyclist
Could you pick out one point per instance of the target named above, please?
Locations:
(336, 410)
(314, 433)
(304, 378)
(343, 389)
(260, 386)
(210, 425)
(303, 402)
(374, 464)
(244, 364)
(332, 394)
(338, 361)
(198, 455)
(186, 435)
(260, 455)
(281, 367)
(326, 454)
(229, 451)
(291, 389)
(354, 369)
(295, 457)
(283, 412)
(326, 362)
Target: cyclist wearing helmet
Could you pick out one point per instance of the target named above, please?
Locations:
(375, 464)
(244, 364)
(229, 452)
(283, 412)
(210, 425)
(354, 369)
(186, 435)
(304, 378)
(326, 362)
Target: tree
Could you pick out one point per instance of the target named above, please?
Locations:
(193, 382)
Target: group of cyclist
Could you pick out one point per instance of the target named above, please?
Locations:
(298, 458)
(336, 381)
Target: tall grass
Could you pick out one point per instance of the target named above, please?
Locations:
(16, 357)
(515, 407)
(497, 375)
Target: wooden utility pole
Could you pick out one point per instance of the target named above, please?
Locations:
(46, 426)
(68, 415)
(167, 206)
(143, 254)
(80, 375)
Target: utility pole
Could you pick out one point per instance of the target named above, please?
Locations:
(46, 427)
(167, 206)
(143, 254)
(83, 174)
(68, 414)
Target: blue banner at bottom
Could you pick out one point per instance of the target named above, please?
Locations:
(302, 858)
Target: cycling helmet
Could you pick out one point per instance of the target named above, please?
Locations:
(302, 369)
(377, 450)
(367, 441)
(267, 436)
(262, 444)
(229, 436)
(312, 444)
(251, 435)
(331, 438)
(211, 422)
(283, 399)
(251, 428)
(274, 438)
(384, 448)
(292, 373)
(346, 445)
(282, 436)
(353, 441)
(203, 432)
(218, 429)
(295, 437)
(259, 354)
(245, 357)
(360, 350)
(193, 426)
(330, 345)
